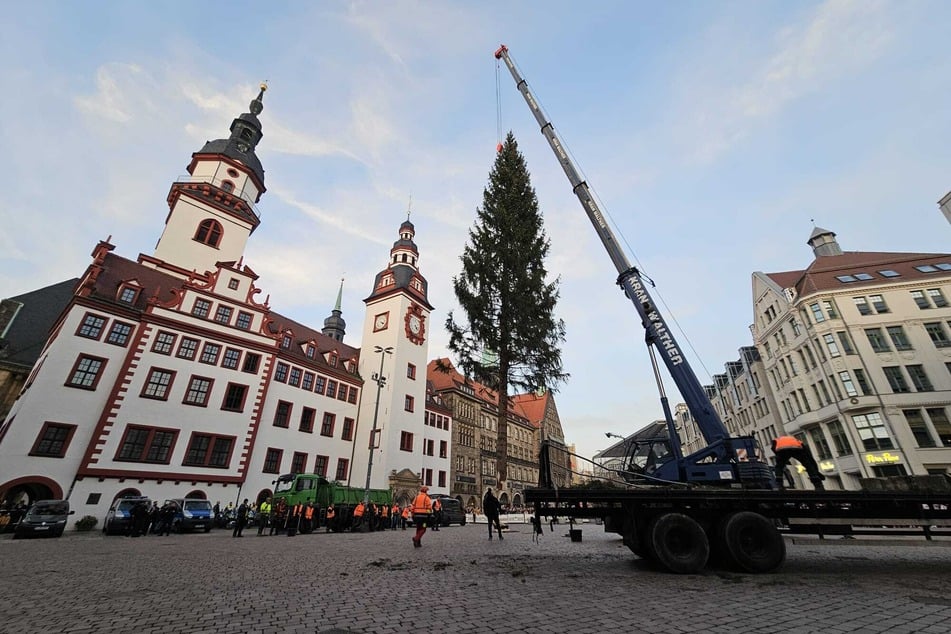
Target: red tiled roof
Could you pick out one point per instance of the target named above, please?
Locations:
(533, 406)
(115, 270)
(821, 274)
(452, 379)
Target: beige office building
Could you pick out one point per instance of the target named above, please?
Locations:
(853, 356)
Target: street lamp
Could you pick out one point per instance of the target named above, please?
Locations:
(380, 381)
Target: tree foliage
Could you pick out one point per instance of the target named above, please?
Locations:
(510, 336)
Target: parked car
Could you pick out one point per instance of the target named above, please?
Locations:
(46, 518)
(192, 514)
(452, 511)
(119, 518)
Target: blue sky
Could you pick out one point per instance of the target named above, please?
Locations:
(713, 133)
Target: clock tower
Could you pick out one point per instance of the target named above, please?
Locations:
(395, 346)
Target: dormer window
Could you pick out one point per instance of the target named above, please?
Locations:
(128, 294)
(311, 351)
(209, 232)
(333, 360)
(286, 342)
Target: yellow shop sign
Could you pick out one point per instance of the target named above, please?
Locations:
(886, 457)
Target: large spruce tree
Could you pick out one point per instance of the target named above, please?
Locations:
(510, 337)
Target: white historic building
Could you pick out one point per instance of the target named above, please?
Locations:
(170, 376)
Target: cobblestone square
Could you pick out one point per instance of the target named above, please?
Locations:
(459, 581)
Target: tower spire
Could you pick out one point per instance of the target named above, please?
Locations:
(334, 326)
(339, 295)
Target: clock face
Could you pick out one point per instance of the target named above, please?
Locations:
(381, 321)
(415, 326)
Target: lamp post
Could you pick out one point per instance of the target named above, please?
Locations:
(380, 381)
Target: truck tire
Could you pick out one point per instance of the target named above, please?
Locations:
(677, 543)
(750, 542)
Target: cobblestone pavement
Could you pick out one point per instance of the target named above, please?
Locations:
(458, 582)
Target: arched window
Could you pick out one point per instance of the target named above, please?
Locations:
(209, 232)
(228, 186)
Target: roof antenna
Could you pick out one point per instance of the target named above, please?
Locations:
(409, 207)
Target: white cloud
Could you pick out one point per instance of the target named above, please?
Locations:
(840, 38)
(112, 100)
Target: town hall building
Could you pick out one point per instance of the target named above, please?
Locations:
(171, 375)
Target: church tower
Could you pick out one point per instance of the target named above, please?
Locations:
(394, 347)
(334, 326)
(212, 211)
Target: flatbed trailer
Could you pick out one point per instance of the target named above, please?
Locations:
(680, 528)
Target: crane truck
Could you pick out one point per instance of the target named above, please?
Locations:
(677, 509)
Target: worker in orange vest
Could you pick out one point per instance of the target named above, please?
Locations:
(384, 516)
(422, 514)
(407, 515)
(308, 518)
(358, 516)
(331, 514)
(437, 514)
(394, 515)
(790, 447)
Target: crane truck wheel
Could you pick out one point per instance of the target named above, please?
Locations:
(750, 542)
(677, 542)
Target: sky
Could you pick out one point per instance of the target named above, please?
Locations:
(715, 134)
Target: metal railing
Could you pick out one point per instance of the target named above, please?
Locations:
(217, 182)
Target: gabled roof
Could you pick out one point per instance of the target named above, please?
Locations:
(533, 406)
(31, 317)
(451, 379)
(114, 270)
(821, 275)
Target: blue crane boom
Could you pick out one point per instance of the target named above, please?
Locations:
(708, 464)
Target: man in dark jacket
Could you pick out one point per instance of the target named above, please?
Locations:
(492, 508)
(240, 519)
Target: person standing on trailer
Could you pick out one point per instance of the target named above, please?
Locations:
(789, 448)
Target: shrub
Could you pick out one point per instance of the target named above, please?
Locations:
(86, 523)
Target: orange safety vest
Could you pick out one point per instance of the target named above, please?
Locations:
(358, 511)
(406, 512)
(787, 442)
(395, 510)
(309, 513)
(386, 511)
(330, 513)
(423, 504)
(437, 505)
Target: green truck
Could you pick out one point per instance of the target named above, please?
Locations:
(301, 488)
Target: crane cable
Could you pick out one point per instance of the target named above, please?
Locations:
(604, 210)
(498, 106)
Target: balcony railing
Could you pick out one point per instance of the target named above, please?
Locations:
(217, 182)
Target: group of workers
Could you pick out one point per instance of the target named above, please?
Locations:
(276, 517)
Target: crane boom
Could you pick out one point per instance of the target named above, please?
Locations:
(629, 278)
